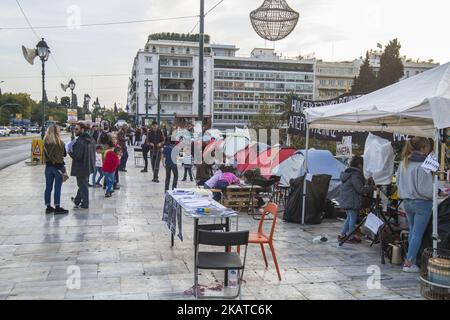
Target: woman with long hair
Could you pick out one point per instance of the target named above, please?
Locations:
(415, 187)
(54, 153)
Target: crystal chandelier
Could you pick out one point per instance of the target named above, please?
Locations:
(274, 20)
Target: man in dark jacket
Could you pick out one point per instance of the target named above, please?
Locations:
(155, 141)
(83, 164)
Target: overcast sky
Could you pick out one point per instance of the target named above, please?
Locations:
(333, 30)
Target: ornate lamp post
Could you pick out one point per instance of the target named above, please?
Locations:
(43, 52)
(274, 20)
(72, 87)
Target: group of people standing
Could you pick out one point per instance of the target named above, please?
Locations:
(93, 152)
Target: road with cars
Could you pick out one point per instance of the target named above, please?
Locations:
(17, 148)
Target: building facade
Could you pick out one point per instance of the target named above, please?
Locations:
(243, 85)
(334, 79)
(235, 87)
(169, 69)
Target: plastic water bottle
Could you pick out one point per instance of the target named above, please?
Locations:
(232, 278)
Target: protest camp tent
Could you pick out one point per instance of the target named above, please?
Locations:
(234, 143)
(270, 159)
(319, 162)
(249, 155)
(418, 106)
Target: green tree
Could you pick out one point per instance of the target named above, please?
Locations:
(266, 119)
(366, 81)
(391, 65)
(14, 103)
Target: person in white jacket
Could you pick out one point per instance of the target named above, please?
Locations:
(415, 187)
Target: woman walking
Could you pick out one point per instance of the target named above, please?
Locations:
(415, 187)
(54, 153)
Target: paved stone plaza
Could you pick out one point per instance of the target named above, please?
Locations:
(123, 249)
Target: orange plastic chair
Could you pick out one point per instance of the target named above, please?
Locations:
(261, 238)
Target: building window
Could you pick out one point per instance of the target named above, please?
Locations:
(148, 59)
(148, 71)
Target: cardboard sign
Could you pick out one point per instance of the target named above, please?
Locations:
(431, 163)
(72, 115)
(344, 148)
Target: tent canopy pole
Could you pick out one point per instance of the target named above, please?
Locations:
(435, 193)
(306, 172)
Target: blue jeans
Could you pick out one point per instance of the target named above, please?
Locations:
(123, 159)
(110, 179)
(52, 176)
(350, 222)
(94, 175)
(419, 213)
(82, 197)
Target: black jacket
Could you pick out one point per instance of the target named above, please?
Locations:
(83, 156)
(351, 190)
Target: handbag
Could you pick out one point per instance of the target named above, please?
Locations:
(64, 175)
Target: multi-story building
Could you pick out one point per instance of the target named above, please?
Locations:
(242, 85)
(168, 68)
(334, 79)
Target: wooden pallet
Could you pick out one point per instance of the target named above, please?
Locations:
(238, 199)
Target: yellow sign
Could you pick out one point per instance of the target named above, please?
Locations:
(18, 116)
(37, 151)
(72, 115)
(50, 118)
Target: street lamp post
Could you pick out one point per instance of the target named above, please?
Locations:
(43, 51)
(72, 87)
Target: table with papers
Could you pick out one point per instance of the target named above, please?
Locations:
(185, 202)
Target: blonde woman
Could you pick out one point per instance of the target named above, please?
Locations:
(54, 153)
(415, 187)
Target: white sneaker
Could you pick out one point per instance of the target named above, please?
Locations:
(412, 269)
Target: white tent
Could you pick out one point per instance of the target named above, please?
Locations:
(319, 162)
(414, 106)
(417, 106)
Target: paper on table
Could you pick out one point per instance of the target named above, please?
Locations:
(373, 223)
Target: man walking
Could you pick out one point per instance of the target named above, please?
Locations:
(156, 141)
(83, 164)
(122, 138)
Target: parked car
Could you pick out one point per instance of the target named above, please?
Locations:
(14, 130)
(34, 129)
(4, 131)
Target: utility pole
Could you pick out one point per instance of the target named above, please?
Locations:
(201, 62)
(158, 116)
(147, 84)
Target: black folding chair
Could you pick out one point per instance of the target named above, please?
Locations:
(267, 194)
(213, 260)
